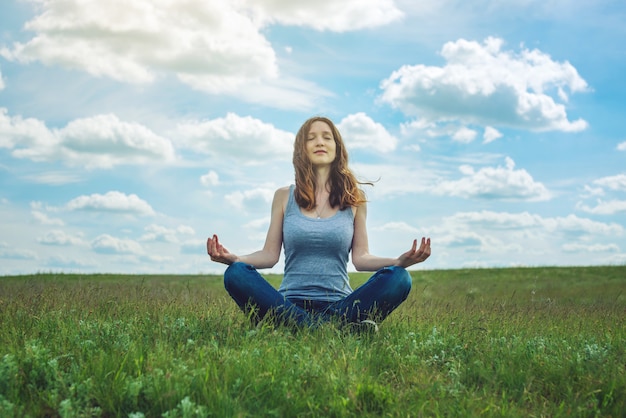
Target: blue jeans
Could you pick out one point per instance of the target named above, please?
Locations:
(375, 299)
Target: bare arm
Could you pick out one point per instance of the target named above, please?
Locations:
(364, 261)
(269, 255)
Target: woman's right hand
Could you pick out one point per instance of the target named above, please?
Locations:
(218, 253)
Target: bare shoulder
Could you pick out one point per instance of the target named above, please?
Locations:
(281, 196)
(362, 207)
(360, 210)
(282, 193)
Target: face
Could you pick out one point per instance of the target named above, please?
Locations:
(320, 144)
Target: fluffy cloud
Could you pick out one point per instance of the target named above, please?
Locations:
(106, 244)
(100, 141)
(134, 41)
(359, 131)
(622, 146)
(251, 199)
(165, 234)
(106, 141)
(112, 201)
(330, 15)
(210, 179)
(505, 221)
(212, 45)
(602, 207)
(489, 237)
(11, 253)
(617, 182)
(605, 185)
(193, 247)
(594, 248)
(26, 133)
(397, 227)
(44, 219)
(491, 134)
(54, 178)
(484, 85)
(58, 237)
(464, 135)
(235, 137)
(494, 183)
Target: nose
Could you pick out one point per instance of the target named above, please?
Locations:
(319, 141)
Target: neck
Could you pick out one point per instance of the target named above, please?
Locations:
(322, 174)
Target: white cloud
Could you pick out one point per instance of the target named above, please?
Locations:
(397, 227)
(494, 183)
(235, 137)
(100, 141)
(622, 146)
(135, 41)
(524, 221)
(481, 84)
(464, 135)
(194, 247)
(593, 248)
(27, 133)
(214, 46)
(164, 234)
(617, 182)
(44, 219)
(112, 201)
(491, 134)
(464, 239)
(359, 131)
(159, 233)
(58, 237)
(55, 178)
(609, 207)
(210, 179)
(106, 141)
(592, 191)
(330, 15)
(251, 199)
(394, 179)
(185, 230)
(71, 263)
(106, 244)
(502, 238)
(11, 253)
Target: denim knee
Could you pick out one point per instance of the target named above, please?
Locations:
(234, 274)
(400, 279)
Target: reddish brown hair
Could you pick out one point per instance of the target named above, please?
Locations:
(344, 187)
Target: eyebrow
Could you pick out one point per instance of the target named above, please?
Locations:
(323, 133)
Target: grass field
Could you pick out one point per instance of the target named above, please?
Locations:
(513, 342)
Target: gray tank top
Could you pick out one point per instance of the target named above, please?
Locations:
(316, 254)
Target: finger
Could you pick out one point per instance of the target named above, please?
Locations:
(211, 246)
(216, 245)
(216, 248)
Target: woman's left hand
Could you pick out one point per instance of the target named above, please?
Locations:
(415, 255)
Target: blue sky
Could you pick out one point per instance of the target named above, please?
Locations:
(132, 130)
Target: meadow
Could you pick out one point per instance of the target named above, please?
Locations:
(512, 342)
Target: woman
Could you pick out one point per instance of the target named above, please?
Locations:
(319, 221)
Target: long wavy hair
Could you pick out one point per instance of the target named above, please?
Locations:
(344, 187)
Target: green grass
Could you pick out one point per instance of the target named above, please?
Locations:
(495, 342)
